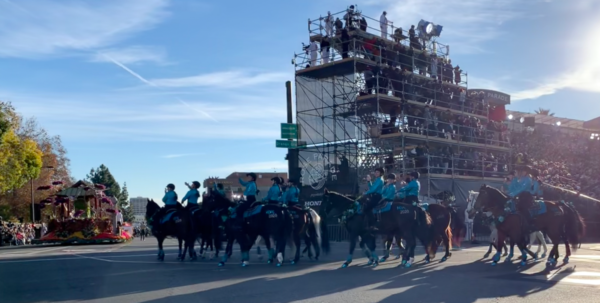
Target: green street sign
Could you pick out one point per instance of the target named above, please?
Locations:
(289, 131)
(290, 144)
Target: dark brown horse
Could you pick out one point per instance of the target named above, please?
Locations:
(509, 224)
(559, 221)
(441, 230)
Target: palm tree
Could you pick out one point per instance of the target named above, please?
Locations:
(543, 111)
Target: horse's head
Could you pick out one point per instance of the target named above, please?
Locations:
(151, 209)
(490, 199)
(334, 203)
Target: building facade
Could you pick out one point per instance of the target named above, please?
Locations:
(138, 205)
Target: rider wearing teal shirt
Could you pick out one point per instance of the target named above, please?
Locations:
(192, 195)
(411, 190)
(274, 193)
(374, 196)
(290, 196)
(170, 198)
(250, 191)
(389, 190)
(525, 184)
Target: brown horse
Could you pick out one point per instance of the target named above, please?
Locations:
(558, 221)
(509, 224)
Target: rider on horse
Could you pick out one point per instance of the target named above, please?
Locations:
(290, 196)
(274, 193)
(375, 190)
(524, 183)
(249, 192)
(411, 190)
(170, 198)
(192, 195)
(536, 190)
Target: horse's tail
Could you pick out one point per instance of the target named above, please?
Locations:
(324, 233)
(316, 229)
(449, 234)
(574, 226)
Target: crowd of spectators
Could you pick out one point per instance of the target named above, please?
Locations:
(564, 160)
(16, 233)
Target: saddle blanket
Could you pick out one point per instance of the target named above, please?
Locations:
(538, 208)
(382, 208)
(253, 211)
(168, 217)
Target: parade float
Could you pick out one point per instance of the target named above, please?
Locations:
(81, 214)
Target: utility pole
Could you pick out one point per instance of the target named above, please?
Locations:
(292, 155)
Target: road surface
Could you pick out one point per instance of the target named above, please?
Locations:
(130, 273)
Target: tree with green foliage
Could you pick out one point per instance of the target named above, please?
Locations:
(544, 112)
(125, 206)
(102, 175)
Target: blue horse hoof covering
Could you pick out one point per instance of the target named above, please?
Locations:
(293, 262)
(221, 264)
(344, 265)
(494, 263)
(566, 260)
(383, 259)
(375, 264)
(269, 262)
(278, 264)
(443, 259)
(523, 263)
(408, 265)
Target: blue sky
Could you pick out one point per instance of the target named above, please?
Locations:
(172, 91)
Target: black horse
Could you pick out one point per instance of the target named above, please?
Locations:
(401, 221)
(244, 224)
(173, 223)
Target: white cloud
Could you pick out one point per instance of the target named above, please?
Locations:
(229, 79)
(584, 76)
(34, 29)
(268, 166)
(133, 54)
(467, 23)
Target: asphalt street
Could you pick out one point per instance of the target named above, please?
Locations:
(130, 273)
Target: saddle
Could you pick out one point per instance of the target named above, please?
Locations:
(169, 215)
(538, 208)
(382, 207)
(253, 210)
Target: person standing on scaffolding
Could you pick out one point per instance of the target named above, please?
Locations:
(313, 50)
(329, 25)
(383, 23)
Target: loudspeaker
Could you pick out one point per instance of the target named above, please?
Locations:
(529, 121)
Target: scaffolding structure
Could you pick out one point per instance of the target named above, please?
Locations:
(367, 99)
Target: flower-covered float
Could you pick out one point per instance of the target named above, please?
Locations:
(82, 214)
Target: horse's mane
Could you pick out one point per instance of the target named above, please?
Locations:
(495, 193)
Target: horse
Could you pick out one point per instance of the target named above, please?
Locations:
(307, 227)
(397, 219)
(557, 220)
(173, 223)
(245, 224)
(536, 235)
(508, 224)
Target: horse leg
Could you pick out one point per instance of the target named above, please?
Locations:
(542, 241)
(314, 242)
(512, 251)
(371, 244)
(353, 237)
(496, 257)
(161, 252)
(181, 255)
(387, 245)
(297, 243)
(447, 242)
(411, 242)
(401, 247)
